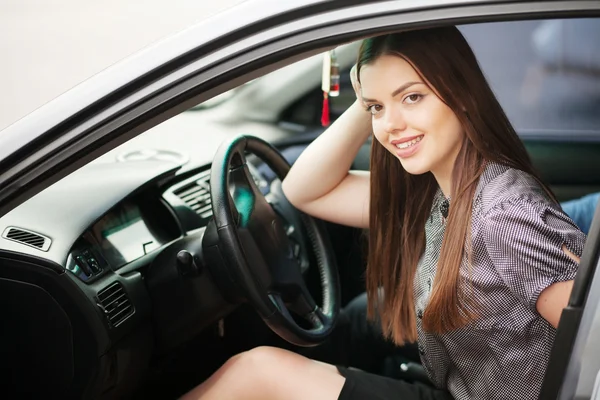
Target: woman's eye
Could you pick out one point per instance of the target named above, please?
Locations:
(413, 98)
(374, 109)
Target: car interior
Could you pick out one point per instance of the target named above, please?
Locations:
(129, 277)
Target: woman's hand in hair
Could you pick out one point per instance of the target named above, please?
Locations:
(356, 85)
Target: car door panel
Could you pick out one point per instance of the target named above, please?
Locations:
(571, 169)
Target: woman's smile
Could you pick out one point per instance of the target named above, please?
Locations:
(408, 146)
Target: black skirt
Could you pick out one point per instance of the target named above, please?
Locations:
(362, 385)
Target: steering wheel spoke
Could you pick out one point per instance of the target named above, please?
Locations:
(301, 301)
(302, 307)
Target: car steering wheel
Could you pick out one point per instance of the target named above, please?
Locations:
(256, 253)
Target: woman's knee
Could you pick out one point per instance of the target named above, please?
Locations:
(259, 363)
(271, 373)
(261, 373)
(259, 357)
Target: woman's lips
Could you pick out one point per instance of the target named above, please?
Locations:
(405, 139)
(414, 145)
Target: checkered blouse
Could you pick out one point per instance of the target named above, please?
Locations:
(517, 235)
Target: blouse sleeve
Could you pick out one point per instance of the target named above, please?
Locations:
(524, 240)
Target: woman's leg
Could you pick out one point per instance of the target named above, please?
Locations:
(269, 373)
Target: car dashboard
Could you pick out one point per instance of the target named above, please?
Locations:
(144, 222)
(106, 249)
(132, 229)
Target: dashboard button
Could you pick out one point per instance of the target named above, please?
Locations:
(84, 265)
(94, 265)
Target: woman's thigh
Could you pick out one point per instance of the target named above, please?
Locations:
(266, 373)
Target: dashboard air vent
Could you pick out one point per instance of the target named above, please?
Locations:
(196, 195)
(115, 304)
(27, 237)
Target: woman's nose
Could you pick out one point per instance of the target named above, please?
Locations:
(394, 120)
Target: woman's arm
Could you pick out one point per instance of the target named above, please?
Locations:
(556, 296)
(320, 183)
(535, 249)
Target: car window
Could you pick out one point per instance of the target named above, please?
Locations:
(307, 110)
(546, 75)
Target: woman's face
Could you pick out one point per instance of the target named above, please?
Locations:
(409, 119)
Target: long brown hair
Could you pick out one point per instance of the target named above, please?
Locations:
(401, 203)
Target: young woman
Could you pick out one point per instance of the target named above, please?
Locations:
(469, 254)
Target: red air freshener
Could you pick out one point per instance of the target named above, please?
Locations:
(330, 84)
(325, 114)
